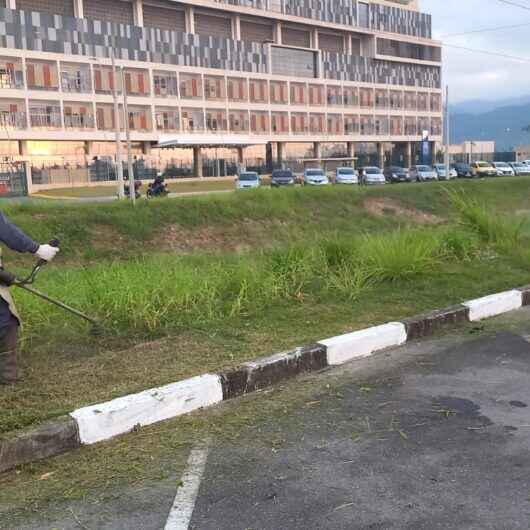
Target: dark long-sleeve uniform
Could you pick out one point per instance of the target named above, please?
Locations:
(17, 240)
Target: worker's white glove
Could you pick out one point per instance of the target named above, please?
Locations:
(47, 252)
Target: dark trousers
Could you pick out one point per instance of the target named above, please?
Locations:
(8, 346)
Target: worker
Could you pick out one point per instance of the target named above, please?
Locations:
(17, 240)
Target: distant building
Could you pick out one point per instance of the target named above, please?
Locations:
(471, 150)
(226, 73)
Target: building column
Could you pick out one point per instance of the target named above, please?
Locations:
(138, 13)
(408, 154)
(197, 162)
(279, 148)
(381, 154)
(348, 44)
(190, 19)
(351, 152)
(78, 9)
(432, 150)
(278, 33)
(317, 150)
(23, 147)
(241, 157)
(314, 39)
(236, 27)
(146, 148)
(89, 147)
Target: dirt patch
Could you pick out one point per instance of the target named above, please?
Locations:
(382, 207)
(106, 237)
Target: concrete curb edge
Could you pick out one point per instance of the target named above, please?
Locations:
(104, 421)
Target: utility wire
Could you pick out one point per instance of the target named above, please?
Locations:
(484, 30)
(488, 52)
(515, 4)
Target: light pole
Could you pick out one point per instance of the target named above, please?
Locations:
(119, 164)
(130, 169)
(447, 133)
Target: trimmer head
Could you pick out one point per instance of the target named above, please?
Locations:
(96, 330)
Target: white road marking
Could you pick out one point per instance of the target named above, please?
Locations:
(180, 515)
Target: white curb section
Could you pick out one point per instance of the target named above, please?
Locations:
(103, 421)
(363, 343)
(494, 305)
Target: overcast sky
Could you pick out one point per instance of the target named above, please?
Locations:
(478, 76)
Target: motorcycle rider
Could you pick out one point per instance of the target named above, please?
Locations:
(158, 186)
(17, 240)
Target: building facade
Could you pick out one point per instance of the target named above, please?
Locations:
(218, 73)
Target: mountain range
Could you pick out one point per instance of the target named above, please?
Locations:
(502, 121)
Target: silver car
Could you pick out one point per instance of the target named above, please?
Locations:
(441, 172)
(422, 173)
(346, 175)
(503, 169)
(372, 176)
(247, 179)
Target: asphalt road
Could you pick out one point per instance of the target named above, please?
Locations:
(428, 436)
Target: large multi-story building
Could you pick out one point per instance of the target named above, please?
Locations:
(218, 73)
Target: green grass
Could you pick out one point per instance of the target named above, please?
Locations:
(110, 191)
(315, 263)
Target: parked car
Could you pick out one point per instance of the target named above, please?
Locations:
(483, 169)
(372, 176)
(282, 177)
(463, 171)
(520, 168)
(526, 162)
(422, 173)
(396, 174)
(441, 172)
(503, 169)
(346, 175)
(315, 177)
(247, 179)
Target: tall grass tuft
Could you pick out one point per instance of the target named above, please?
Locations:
(488, 224)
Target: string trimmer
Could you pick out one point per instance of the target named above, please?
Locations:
(9, 279)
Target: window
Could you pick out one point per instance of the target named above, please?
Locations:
(298, 94)
(78, 116)
(381, 99)
(192, 120)
(292, 62)
(258, 90)
(317, 123)
(237, 89)
(214, 88)
(280, 122)
(239, 122)
(278, 91)
(216, 120)
(334, 95)
(351, 124)
(299, 123)
(190, 86)
(410, 126)
(11, 73)
(259, 122)
(165, 84)
(335, 124)
(366, 96)
(136, 82)
(381, 125)
(45, 115)
(396, 126)
(104, 80)
(316, 95)
(410, 101)
(363, 15)
(350, 96)
(423, 101)
(366, 125)
(436, 103)
(396, 99)
(42, 75)
(167, 119)
(76, 78)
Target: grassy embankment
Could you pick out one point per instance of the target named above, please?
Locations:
(191, 285)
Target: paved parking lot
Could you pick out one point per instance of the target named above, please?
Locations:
(427, 436)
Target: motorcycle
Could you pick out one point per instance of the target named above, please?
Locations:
(157, 188)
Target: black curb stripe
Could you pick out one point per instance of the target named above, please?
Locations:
(429, 323)
(525, 291)
(264, 372)
(48, 439)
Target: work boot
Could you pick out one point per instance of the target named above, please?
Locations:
(8, 368)
(8, 356)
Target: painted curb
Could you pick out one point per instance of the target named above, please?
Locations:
(494, 304)
(119, 416)
(48, 439)
(363, 343)
(103, 421)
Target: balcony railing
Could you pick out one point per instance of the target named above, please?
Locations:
(12, 120)
(79, 84)
(79, 121)
(11, 78)
(51, 120)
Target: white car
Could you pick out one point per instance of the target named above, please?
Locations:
(526, 162)
(247, 179)
(503, 169)
(315, 177)
(441, 172)
(422, 173)
(346, 175)
(372, 176)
